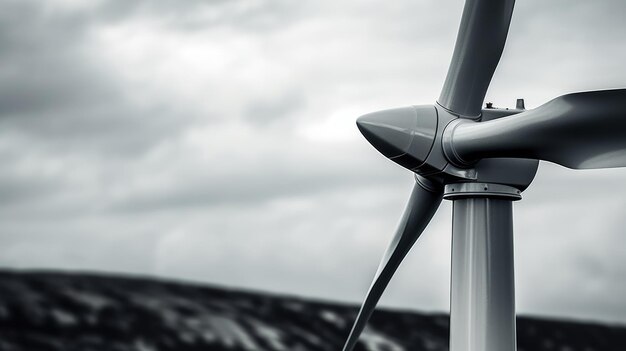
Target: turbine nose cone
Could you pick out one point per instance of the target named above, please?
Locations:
(389, 131)
(405, 135)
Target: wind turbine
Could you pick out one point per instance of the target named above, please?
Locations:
(481, 160)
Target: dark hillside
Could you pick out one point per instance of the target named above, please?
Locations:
(55, 311)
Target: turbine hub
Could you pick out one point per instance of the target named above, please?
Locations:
(418, 138)
(405, 135)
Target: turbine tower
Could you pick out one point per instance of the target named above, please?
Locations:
(482, 160)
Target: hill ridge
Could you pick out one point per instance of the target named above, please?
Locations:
(49, 310)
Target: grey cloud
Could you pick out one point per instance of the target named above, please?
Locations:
(238, 183)
(267, 111)
(578, 269)
(42, 62)
(558, 47)
(197, 15)
(15, 189)
(59, 92)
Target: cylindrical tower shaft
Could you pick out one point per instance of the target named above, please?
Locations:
(482, 299)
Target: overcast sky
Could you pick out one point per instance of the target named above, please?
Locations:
(214, 141)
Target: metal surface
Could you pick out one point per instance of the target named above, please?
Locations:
(465, 190)
(482, 293)
(423, 203)
(405, 135)
(479, 45)
(581, 130)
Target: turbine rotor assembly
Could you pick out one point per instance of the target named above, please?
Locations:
(458, 150)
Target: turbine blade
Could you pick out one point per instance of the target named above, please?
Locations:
(581, 130)
(423, 204)
(479, 45)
